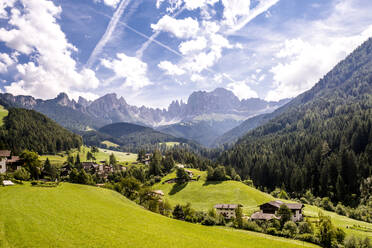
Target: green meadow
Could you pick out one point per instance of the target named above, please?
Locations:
(204, 195)
(102, 155)
(3, 113)
(85, 216)
(109, 144)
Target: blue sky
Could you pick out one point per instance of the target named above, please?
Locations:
(154, 51)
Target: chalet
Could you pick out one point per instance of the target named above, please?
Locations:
(89, 166)
(157, 193)
(269, 211)
(227, 210)
(189, 173)
(8, 162)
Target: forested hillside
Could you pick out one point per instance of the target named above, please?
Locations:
(28, 129)
(128, 135)
(323, 139)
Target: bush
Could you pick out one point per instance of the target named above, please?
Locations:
(22, 174)
(340, 209)
(272, 231)
(252, 226)
(307, 237)
(290, 229)
(305, 227)
(327, 204)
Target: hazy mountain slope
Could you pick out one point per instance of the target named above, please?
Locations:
(212, 113)
(322, 140)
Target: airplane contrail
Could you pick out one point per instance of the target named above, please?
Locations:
(153, 39)
(107, 35)
(145, 45)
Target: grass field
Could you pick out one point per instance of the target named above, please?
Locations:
(342, 221)
(85, 216)
(109, 144)
(203, 195)
(102, 155)
(170, 144)
(3, 113)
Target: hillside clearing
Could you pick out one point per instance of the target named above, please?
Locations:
(84, 216)
(102, 155)
(3, 114)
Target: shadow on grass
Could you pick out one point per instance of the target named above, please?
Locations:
(206, 183)
(178, 187)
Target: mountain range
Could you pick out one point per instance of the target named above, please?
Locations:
(205, 116)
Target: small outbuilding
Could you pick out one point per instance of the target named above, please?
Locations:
(227, 210)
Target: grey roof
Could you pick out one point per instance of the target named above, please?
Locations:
(278, 203)
(227, 206)
(263, 216)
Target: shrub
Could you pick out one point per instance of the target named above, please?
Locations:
(327, 204)
(290, 229)
(307, 237)
(340, 209)
(272, 231)
(22, 174)
(252, 226)
(305, 227)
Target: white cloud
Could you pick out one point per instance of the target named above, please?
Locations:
(170, 68)
(242, 90)
(5, 62)
(3, 5)
(35, 32)
(304, 60)
(111, 3)
(181, 28)
(237, 13)
(196, 78)
(129, 68)
(195, 4)
(190, 46)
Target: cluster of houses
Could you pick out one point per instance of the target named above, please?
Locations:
(268, 211)
(9, 163)
(102, 169)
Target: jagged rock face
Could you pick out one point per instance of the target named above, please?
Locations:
(219, 110)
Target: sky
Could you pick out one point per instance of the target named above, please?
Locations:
(152, 52)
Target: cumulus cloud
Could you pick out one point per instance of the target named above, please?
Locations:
(111, 3)
(190, 46)
(131, 69)
(170, 68)
(35, 31)
(5, 62)
(304, 60)
(242, 90)
(3, 5)
(181, 28)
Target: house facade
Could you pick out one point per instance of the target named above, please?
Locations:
(8, 162)
(269, 211)
(227, 210)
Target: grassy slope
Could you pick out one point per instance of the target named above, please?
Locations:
(84, 216)
(3, 113)
(109, 144)
(102, 155)
(203, 196)
(341, 221)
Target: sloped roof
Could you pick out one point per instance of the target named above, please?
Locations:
(13, 159)
(5, 153)
(158, 192)
(227, 206)
(278, 203)
(263, 216)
